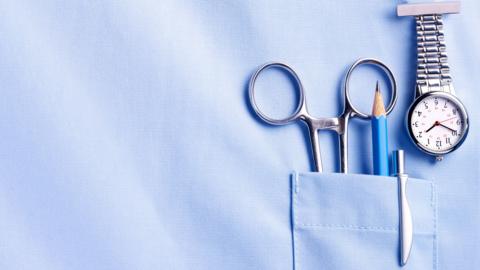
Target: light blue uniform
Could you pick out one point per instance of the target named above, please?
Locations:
(127, 140)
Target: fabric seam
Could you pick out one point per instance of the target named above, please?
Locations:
(295, 236)
(434, 205)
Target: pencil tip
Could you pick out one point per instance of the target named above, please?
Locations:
(378, 106)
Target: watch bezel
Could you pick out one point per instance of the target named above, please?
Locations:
(463, 112)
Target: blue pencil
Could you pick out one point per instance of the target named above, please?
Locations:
(379, 135)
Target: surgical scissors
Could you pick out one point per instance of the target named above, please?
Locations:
(314, 124)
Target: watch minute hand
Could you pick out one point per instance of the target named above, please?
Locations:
(447, 127)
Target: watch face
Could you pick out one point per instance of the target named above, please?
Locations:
(438, 122)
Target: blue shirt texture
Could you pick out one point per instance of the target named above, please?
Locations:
(127, 140)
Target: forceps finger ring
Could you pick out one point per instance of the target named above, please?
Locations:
(384, 68)
(301, 105)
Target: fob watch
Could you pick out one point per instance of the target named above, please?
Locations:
(437, 120)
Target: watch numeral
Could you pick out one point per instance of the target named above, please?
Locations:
(454, 133)
(435, 101)
(426, 104)
(439, 144)
(419, 113)
(447, 140)
(454, 111)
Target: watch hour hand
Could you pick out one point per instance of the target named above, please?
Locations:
(430, 128)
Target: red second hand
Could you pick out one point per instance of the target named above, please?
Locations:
(447, 119)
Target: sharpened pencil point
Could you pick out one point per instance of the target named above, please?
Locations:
(379, 135)
(378, 106)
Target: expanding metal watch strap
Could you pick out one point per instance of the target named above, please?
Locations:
(433, 72)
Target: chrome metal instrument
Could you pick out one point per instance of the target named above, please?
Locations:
(338, 124)
(406, 222)
(437, 120)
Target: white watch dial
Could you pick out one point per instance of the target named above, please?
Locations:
(437, 123)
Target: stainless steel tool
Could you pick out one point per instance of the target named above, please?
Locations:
(314, 124)
(406, 222)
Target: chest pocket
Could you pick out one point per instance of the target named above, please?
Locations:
(345, 222)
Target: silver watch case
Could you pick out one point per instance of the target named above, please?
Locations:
(463, 112)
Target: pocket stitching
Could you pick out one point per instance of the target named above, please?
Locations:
(435, 246)
(295, 222)
(319, 227)
(349, 226)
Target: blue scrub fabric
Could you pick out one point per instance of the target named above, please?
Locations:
(127, 140)
(351, 222)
